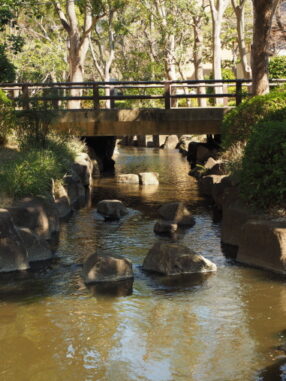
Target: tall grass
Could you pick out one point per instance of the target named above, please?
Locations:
(32, 170)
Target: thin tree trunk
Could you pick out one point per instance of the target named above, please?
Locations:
(239, 12)
(217, 11)
(263, 15)
(198, 57)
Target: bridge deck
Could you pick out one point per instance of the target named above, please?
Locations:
(122, 122)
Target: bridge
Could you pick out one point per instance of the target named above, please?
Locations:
(126, 108)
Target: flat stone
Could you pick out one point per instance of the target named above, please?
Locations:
(128, 178)
(175, 259)
(148, 178)
(106, 268)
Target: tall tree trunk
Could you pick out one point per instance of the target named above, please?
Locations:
(239, 13)
(198, 57)
(76, 59)
(217, 11)
(263, 15)
(78, 42)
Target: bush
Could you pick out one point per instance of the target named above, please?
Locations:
(277, 67)
(263, 180)
(240, 122)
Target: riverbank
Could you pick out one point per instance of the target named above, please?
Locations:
(29, 226)
(249, 235)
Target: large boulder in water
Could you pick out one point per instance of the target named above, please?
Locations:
(112, 209)
(178, 213)
(106, 268)
(175, 259)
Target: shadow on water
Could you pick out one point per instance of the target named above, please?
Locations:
(274, 372)
(177, 283)
(42, 280)
(114, 289)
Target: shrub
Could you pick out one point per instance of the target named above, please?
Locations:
(263, 180)
(277, 67)
(240, 122)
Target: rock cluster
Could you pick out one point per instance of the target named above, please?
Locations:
(29, 229)
(251, 237)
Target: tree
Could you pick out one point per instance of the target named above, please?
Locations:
(78, 36)
(218, 8)
(104, 39)
(238, 7)
(263, 12)
(198, 20)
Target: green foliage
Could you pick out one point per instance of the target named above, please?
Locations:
(7, 69)
(277, 67)
(5, 17)
(7, 117)
(264, 166)
(32, 171)
(240, 122)
(33, 126)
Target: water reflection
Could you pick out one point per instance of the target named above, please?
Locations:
(119, 289)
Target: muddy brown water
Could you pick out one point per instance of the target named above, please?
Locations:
(228, 326)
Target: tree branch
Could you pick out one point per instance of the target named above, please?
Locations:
(62, 16)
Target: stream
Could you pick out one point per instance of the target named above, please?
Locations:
(226, 326)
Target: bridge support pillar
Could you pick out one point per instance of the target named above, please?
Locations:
(142, 140)
(159, 140)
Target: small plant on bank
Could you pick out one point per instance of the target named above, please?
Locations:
(263, 180)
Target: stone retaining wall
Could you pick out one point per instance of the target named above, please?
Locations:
(29, 230)
(251, 237)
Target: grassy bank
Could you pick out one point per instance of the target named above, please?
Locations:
(28, 169)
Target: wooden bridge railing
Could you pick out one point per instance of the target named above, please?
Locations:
(90, 94)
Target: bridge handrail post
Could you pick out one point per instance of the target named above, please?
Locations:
(25, 92)
(238, 92)
(167, 95)
(96, 104)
